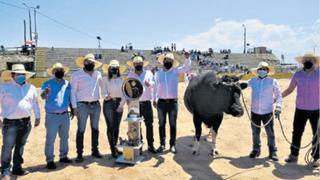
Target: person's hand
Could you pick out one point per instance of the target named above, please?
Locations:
(119, 109)
(147, 83)
(277, 112)
(46, 92)
(74, 113)
(187, 55)
(108, 98)
(154, 104)
(37, 122)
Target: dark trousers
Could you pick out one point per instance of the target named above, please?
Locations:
(147, 113)
(257, 119)
(170, 108)
(300, 119)
(113, 119)
(15, 134)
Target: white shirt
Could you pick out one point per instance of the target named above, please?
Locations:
(263, 93)
(166, 86)
(113, 88)
(86, 87)
(18, 101)
(145, 76)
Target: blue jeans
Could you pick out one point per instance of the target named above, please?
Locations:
(84, 111)
(15, 134)
(257, 119)
(57, 124)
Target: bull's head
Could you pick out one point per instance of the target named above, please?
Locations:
(231, 84)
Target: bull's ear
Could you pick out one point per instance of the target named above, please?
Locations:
(243, 85)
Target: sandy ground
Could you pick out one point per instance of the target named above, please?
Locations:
(234, 144)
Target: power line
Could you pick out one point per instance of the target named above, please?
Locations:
(61, 23)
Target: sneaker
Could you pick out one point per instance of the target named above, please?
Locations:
(65, 160)
(20, 172)
(152, 149)
(161, 148)
(51, 165)
(315, 163)
(254, 154)
(291, 159)
(173, 149)
(79, 158)
(96, 154)
(273, 156)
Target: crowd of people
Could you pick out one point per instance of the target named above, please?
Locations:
(19, 98)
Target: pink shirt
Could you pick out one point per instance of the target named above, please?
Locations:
(308, 89)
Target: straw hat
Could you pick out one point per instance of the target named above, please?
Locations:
(308, 54)
(55, 66)
(16, 68)
(263, 65)
(138, 59)
(113, 63)
(169, 56)
(89, 57)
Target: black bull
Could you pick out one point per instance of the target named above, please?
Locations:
(208, 97)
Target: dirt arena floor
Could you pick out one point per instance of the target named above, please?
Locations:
(234, 144)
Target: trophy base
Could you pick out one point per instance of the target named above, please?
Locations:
(131, 155)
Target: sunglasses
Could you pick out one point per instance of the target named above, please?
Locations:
(263, 69)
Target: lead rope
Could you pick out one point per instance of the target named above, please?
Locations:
(309, 155)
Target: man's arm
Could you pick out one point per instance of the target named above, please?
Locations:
(291, 87)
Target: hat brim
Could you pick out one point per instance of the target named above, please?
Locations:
(49, 71)
(105, 68)
(272, 71)
(162, 57)
(145, 63)
(6, 75)
(80, 62)
(299, 59)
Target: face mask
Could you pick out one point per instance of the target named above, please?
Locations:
(89, 67)
(167, 65)
(20, 79)
(262, 73)
(307, 65)
(113, 71)
(138, 67)
(59, 74)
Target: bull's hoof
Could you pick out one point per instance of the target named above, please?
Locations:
(214, 153)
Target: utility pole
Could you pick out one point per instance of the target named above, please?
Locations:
(244, 38)
(30, 29)
(24, 32)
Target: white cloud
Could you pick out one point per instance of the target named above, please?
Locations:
(282, 39)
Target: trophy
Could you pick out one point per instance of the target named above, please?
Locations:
(132, 147)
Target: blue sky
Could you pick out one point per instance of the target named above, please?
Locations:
(287, 26)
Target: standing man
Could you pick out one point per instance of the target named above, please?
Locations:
(264, 90)
(58, 95)
(166, 96)
(85, 83)
(307, 80)
(17, 98)
(147, 80)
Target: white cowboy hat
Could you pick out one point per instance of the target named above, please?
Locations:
(169, 56)
(57, 65)
(89, 57)
(16, 68)
(263, 64)
(113, 63)
(137, 59)
(308, 54)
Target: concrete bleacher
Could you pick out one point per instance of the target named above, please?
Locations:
(46, 57)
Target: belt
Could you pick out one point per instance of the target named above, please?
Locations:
(168, 100)
(89, 103)
(143, 102)
(22, 120)
(58, 113)
(113, 99)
